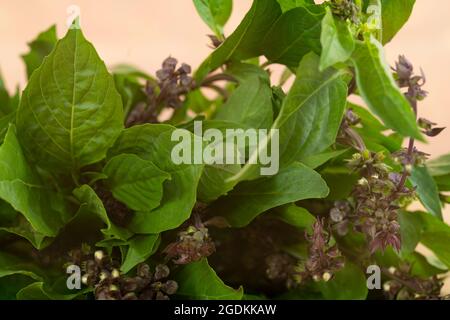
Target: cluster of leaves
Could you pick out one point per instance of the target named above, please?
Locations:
(85, 160)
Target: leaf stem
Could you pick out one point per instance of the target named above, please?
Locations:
(217, 77)
(218, 89)
(411, 143)
(75, 178)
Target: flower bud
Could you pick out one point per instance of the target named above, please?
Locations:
(336, 215)
(99, 255)
(143, 271)
(169, 63)
(326, 276)
(85, 279)
(161, 272)
(366, 154)
(170, 287)
(113, 288)
(115, 273)
(363, 182)
(103, 276)
(408, 168)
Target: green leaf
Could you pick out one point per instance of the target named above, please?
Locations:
(443, 183)
(10, 285)
(432, 232)
(439, 166)
(411, 230)
(91, 206)
(22, 228)
(427, 190)
(287, 5)
(421, 267)
(130, 72)
(5, 101)
(43, 291)
(213, 182)
(395, 13)
(379, 90)
(250, 104)
(39, 49)
(337, 41)
(13, 265)
(199, 281)
(340, 180)
(130, 82)
(367, 119)
(246, 41)
(351, 278)
(22, 188)
(215, 13)
(25, 273)
(34, 291)
(135, 182)
(436, 237)
(131, 93)
(296, 216)
(251, 198)
(243, 71)
(197, 102)
(4, 95)
(309, 118)
(70, 112)
(5, 121)
(438, 243)
(321, 158)
(153, 143)
(141, 247)
(293, 35)
(374, 132)
(312, 112)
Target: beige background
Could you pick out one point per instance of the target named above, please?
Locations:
(144, 32)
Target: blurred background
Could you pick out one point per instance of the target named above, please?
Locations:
(145, 32)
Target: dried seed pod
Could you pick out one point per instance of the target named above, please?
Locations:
(323, 259)
(102, 274)
(161, 271)
(192, 244)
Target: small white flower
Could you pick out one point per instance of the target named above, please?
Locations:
(103, 276)
(326, 276)
(113, 288)
(84, 279)
(408, 168)
(363, 182)
(115, 273)
(98, 255)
